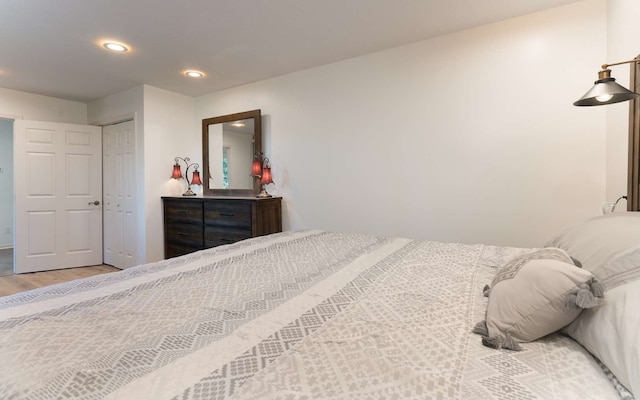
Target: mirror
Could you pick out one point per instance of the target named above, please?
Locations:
(229, 143)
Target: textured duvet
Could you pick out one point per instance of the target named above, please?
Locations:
(296, 315)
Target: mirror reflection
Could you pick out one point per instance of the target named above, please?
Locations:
(231, 154)
(229, 143)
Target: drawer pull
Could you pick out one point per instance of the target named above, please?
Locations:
(182, 234)
(183, 211)
(226, 240)
(226, 214)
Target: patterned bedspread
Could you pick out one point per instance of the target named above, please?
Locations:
(296, 315)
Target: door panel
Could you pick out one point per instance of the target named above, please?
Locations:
(58, 177)
(42, 233)
(120, 229)
(79, 230)
(41, 172)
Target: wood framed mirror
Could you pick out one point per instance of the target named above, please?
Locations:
(229, 143)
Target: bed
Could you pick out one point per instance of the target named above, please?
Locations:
(294, 315)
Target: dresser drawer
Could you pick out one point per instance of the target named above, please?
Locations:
(188, 234)
(216, 236)
(196, 223)
(185, 211)
(231, 215)
(178, 249)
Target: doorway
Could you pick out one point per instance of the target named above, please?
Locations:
(6, 197)
(119, 195)
(57, 193)
(120, 201)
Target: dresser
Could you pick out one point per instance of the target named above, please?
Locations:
(196, 223)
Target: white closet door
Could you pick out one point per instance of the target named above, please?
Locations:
(120, 238)
(58, 189)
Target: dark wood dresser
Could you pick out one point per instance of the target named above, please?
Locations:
(196, 223)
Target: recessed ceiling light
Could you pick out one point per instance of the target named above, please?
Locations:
(194, 74)
(114, 46)
(238, 124)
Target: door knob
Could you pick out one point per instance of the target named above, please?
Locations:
(94, 203)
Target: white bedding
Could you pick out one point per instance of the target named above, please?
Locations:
(307, 314)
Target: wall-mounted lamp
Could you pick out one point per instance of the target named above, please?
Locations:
(177, 174)
(606, 90)
(261, 169)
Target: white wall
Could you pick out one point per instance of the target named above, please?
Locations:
(170, 130)
(6, 183)
(22, 105)
(469, 137)
(124, 105)
(165, 128)
(623, 32)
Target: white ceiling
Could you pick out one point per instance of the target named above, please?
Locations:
(50, 47)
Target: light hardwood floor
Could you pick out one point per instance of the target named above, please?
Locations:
(19, 283)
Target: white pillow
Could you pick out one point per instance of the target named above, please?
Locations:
(597, 240)
(620, 269)
(611, 332)
(609, 246)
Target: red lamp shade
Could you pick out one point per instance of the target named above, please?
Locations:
(195, 180)
(256, 168)
(266, 176)
(177, 174)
